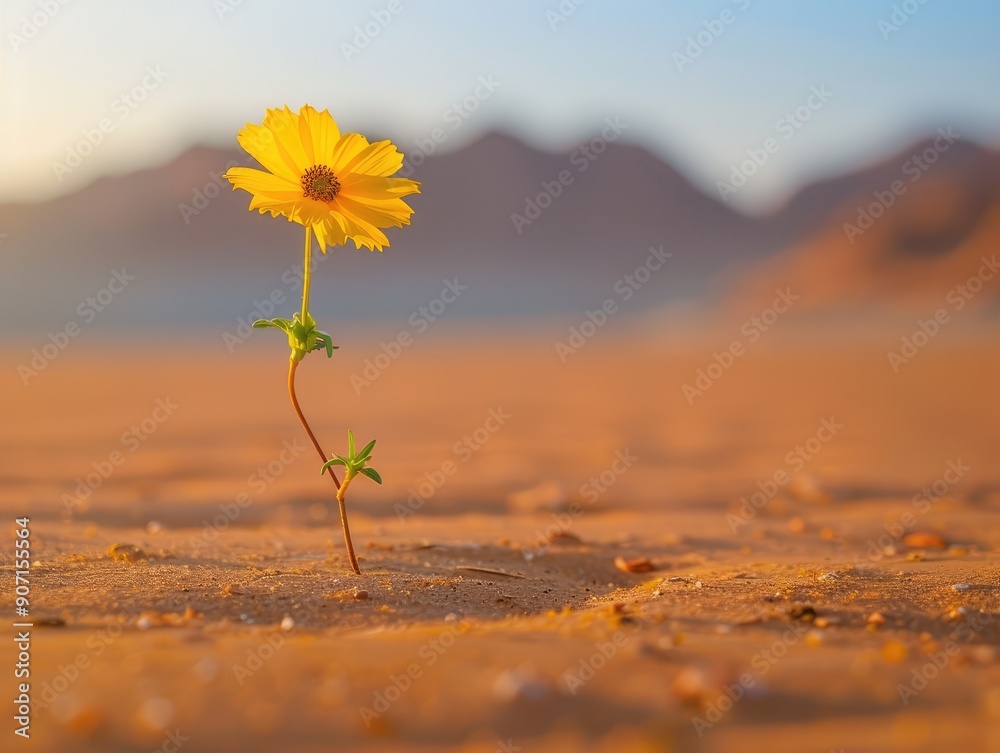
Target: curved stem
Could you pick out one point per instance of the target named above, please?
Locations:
(292, 366)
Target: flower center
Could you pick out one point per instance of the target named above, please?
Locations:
(320, 183)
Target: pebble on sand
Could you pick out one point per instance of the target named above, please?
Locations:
(925, 540)
(634, 565)
(876, 619)
(127, 553)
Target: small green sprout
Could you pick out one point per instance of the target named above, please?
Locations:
(354, 463)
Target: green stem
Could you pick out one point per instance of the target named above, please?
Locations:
(293, 365)
(306, 274)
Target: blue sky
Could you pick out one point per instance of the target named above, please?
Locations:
(221, 62)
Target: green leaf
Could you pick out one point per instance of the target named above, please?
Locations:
(350, 443)
(328, 463)
(372, 474)
(366, 451)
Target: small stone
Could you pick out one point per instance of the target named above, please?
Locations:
(692, 685)
(805, 612)
(925, 540)
(676, 579)
(876, 618)
(521, 683)
(699, 584)
(961, 587)
(360, 594)
(287, 623)
(564, 537)
(635, 565)
(127, 553)
(155, 714)
(451, 617)
(146, 621)
(829, 576)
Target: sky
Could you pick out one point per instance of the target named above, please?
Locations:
(91, 88)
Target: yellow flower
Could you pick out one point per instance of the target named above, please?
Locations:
(338, 185)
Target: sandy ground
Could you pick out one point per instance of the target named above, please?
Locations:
(491, 615)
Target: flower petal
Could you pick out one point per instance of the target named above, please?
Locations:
(359, 228)
(357, 186)
(284, 124)
(263, 185)
(393, 213)
(381, 158)
(319, 134)
(347, 148)
(260, 143)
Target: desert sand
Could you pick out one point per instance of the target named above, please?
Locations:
(491, 614)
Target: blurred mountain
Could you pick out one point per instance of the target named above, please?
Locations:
(495, 216)
(197, 254)
(906, 235)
